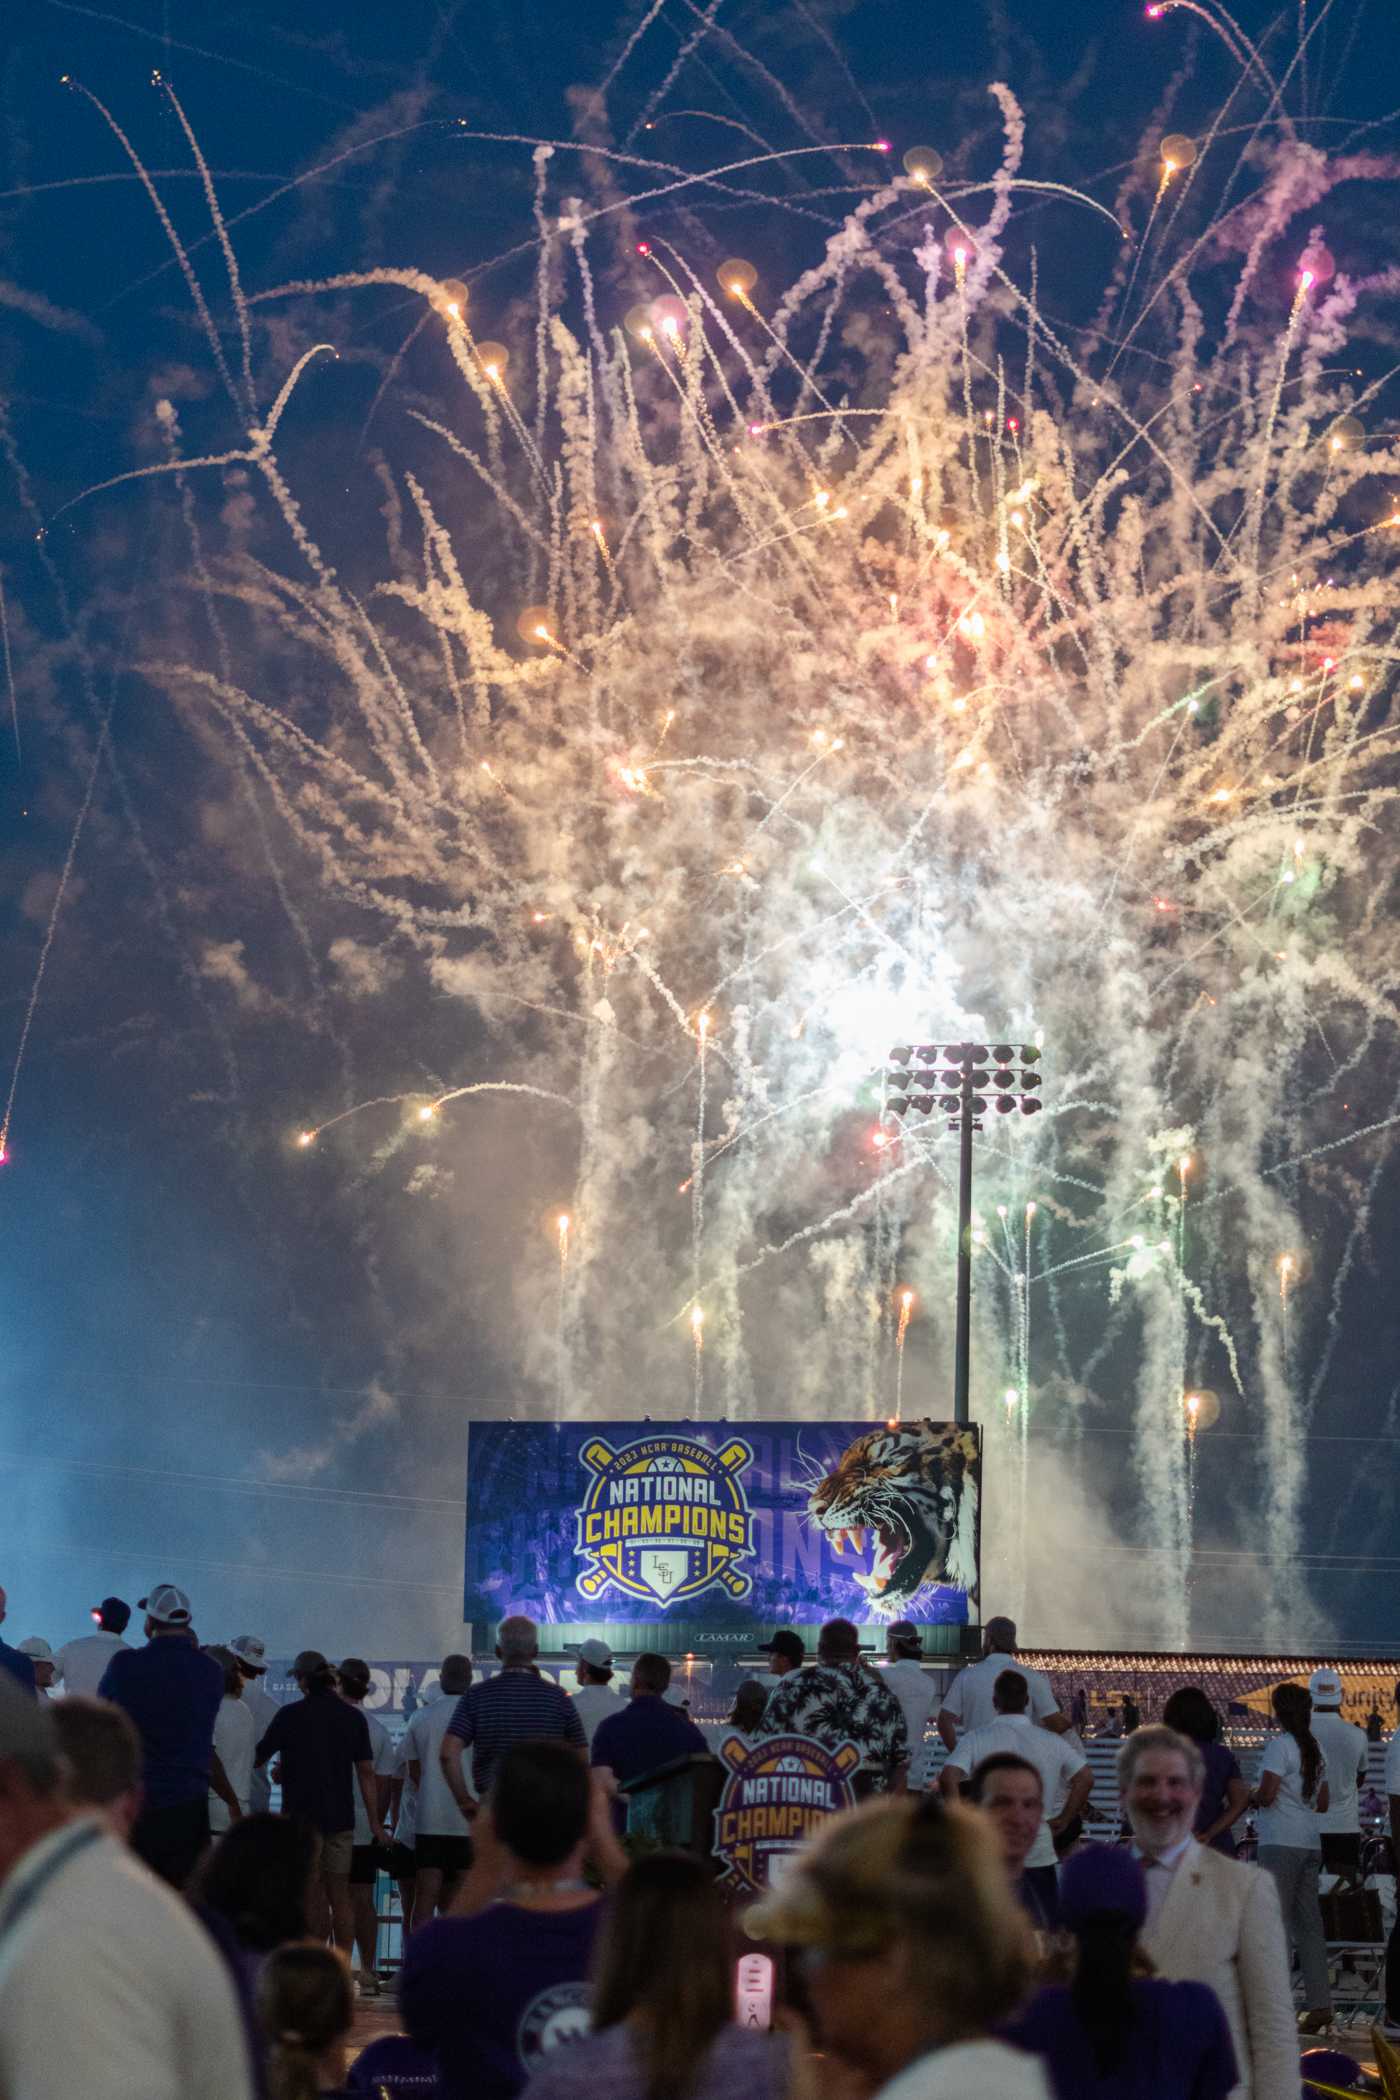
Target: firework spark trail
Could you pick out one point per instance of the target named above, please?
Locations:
(630, 46)
(659, 93)
(1024, 1336)
(563, 1224)
(429, 1110)
(50, 929)
(1140, 249)
(1193, 1408)
(1030, 1216)
(157, 467)
(697, 1170)
(1024, 734)
(187, 271)
(226, 249)
(906, 1307)
(218, 58)
(100, 718)
(167, 418)
(9, 674)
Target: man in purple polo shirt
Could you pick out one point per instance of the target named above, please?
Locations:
(649, 1732)
(173, 1693)
(517, 1705)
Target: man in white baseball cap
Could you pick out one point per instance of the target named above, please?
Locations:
(1343, 1745)
(173, 1693)
(595, 1698)
(41, 1655)
(251, 1656)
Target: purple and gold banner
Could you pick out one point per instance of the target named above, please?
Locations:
(753, 1523)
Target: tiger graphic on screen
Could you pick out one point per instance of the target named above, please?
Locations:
(915, 1487)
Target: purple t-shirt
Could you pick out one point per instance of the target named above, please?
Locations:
(495, 1994)
(1179, 2047)
(395, 2065)
(1221, 1767)
(739, 2066)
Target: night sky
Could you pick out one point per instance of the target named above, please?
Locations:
(222, 1366)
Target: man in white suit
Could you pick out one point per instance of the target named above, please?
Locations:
(1210, 1919)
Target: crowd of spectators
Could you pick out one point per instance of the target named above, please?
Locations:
(163, 1934)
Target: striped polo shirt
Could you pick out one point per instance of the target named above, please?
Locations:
(515, 1706)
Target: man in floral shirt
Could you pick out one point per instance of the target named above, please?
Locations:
(840, 1701)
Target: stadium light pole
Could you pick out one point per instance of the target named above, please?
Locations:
(961, 1082)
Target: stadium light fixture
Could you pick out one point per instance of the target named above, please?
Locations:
(962, 1082)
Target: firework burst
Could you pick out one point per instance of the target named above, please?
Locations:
(875, 661)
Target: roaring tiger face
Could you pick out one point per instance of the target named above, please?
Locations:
(913, 1489)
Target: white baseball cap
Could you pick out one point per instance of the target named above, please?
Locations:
(1326, 1687)
(37, 1647)
(251, 1652)
(166, 1605)
(596, 1653)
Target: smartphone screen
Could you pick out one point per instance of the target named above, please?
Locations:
(753, 1990)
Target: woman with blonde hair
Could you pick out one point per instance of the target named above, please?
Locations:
(914, 1949)
(307, 2008)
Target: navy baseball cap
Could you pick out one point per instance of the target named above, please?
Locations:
(1101, 1881)
(787, 1643)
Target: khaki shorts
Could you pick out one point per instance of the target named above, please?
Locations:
(336, 1853)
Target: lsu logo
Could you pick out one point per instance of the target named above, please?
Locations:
(664, 1519)
(778, 1792)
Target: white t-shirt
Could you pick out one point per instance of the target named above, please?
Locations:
(1054, 1759)
(1343, 1745)
(79, 1664)
(436, 1814)
(235, 1739)
(1392, 1764)
(262, 1706)
(108, 1984)
(406, 1824)
(969, 1696)
(593, 1703)
(970, 2071)
(384, 1755)
(1292, 1820)
(914, 1689)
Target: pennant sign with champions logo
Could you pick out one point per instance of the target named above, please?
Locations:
(664, 1519)
(777, 1793)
